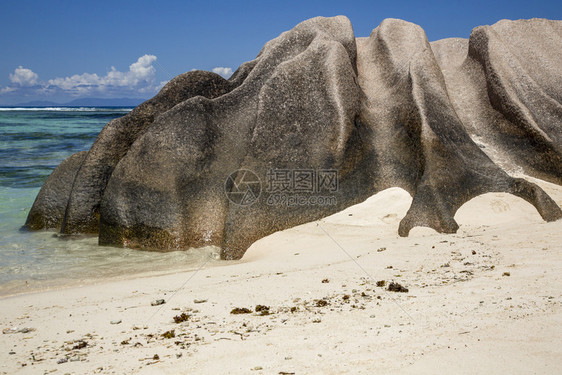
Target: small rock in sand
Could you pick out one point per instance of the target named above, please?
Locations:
(116, 321)
(17, 330)
(199, 300)
(157, 302)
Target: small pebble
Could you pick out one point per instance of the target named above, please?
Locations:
(116, 321)
(158, 302)
(199, 300)
(17, 330)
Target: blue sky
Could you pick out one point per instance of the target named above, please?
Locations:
(61, 50)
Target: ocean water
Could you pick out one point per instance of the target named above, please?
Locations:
(33, 141)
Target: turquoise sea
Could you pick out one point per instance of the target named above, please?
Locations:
(33, 141)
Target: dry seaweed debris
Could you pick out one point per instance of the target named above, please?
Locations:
(262, 309)
(181, 318)
(169, 334)
(240, 310)
(395, 287)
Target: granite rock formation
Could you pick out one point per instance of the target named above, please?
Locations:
(319, 121)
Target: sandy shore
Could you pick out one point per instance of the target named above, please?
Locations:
(484, 300)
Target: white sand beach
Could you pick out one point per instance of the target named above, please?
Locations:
(484, 300)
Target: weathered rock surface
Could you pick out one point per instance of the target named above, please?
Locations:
(48, 209)
(446, 121)
(115, 140)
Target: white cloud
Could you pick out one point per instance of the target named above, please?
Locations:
(161, 85)
(143, 69)
(140, 76)
(222, 71)
(138, 81)
(7, 90)
(24, 77)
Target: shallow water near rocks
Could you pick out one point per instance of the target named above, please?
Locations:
(32, 143)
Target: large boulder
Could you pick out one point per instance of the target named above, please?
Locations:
(317, 122)
(295, 109)
(82, 212)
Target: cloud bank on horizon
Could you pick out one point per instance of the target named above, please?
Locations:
(138, 81)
